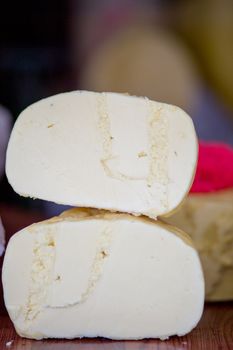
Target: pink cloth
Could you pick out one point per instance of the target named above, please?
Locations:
(214, 169)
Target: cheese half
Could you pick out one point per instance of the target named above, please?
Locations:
(103, 150)
(108, 275)
(208, 218)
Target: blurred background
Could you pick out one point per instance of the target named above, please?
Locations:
(179, 52)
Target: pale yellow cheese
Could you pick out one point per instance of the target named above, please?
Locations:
(208, 218)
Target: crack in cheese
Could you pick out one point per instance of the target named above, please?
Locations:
(104, 270)
(42, 266)
(158, 141)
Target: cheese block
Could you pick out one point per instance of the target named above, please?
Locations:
(2, 238)
(101, 274)
(103, 150)
(208, 218)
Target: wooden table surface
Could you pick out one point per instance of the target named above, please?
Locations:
(215, 331)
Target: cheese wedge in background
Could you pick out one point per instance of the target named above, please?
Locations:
(103, 150)
(208, 218)
(108, 275)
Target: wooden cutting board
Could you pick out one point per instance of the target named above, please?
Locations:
(215, 331)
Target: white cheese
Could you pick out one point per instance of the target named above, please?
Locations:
(208, 218)
(103, 150)
(108, 275)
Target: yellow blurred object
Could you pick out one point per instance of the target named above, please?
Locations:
(144, 61)
(208, 28)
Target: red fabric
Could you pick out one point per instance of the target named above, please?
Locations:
(214, 168)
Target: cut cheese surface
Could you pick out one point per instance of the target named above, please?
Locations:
(103, 150)
(208, 218)
(108, 275)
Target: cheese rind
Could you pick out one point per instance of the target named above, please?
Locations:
(208, 218)
(103, 150)
(109, 275)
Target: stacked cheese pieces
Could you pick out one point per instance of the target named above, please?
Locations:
(113, 271)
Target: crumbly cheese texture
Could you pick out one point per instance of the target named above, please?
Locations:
(103, 150)
(2, 238)
(208, 218)
(88, 274)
